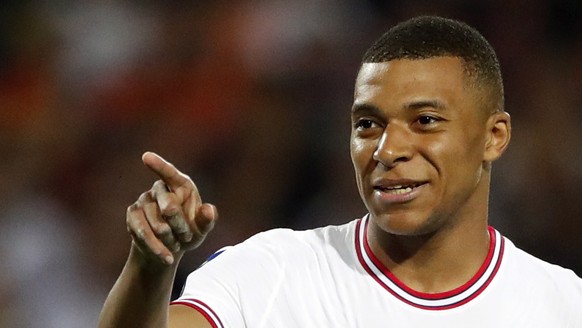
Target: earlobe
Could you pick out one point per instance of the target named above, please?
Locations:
(499, 134)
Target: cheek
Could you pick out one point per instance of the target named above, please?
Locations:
(452, 159)
(459, 148)
(357, 152)
(457, 160)
(361, 153)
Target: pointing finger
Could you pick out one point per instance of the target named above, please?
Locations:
(166, 171)
(176, 181)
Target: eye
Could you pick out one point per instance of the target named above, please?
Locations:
(426, 120)
(363, 124)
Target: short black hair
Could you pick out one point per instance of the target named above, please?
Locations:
(432, 36)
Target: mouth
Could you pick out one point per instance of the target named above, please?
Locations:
(398, 189)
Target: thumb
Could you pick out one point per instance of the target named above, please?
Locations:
(206, 218)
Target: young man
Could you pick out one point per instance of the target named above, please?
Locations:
(427, 122)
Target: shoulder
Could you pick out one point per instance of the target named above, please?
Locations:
(545, 279)
(532, 265)
(283, 245)
(272, 269)
(284, 242)
(327, 233)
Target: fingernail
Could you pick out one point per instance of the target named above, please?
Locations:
(169, 259)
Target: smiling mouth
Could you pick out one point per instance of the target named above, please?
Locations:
(398, 189)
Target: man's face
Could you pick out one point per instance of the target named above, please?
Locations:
(417, 144)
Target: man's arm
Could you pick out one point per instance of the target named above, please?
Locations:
(166, 221)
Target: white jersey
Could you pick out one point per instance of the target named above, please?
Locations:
(328, 277)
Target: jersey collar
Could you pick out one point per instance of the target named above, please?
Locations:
(429, 301)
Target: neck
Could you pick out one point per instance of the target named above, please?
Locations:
(438, 261)
(433, 263)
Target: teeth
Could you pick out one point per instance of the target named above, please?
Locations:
(398, 190)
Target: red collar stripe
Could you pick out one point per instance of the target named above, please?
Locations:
(204, 309)
(436, 301)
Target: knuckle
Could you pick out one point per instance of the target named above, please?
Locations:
(156, 250)
(140, 232)
(178, 224)
(144, 198)
(185, 236)
(189, 182)
(169, 209)
(130, 209)
(159, 184)
(185, 176)
(169, 241)
(162, 229)
(130, 217)
(176, 247)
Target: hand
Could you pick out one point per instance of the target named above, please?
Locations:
(170, 218)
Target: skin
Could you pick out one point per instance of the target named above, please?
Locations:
(165, 222)
(418, 123)
(413, 120)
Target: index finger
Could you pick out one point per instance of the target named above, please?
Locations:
(165, 170)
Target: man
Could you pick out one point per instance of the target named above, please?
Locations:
(427, 122)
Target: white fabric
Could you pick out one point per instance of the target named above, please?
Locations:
(327, 278)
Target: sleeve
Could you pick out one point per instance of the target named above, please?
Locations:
(232, 287)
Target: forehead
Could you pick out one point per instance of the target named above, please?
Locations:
(405, 80)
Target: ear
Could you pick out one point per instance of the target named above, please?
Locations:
(498, 135)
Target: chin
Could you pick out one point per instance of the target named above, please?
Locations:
(405, 224)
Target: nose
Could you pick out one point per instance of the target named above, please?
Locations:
(394, 146)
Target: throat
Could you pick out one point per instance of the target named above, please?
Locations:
(431, 263)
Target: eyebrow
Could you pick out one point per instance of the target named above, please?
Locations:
(418, 104)
(365, 108)
(369, 109)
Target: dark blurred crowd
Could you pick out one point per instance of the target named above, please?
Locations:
(251, 99)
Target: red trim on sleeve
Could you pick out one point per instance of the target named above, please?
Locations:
(204, 309)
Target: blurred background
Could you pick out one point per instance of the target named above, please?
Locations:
(251, 99)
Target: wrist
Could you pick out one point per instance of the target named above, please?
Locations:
(148, 262)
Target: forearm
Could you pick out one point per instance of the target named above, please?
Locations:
(141, 295)
(164, 222)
